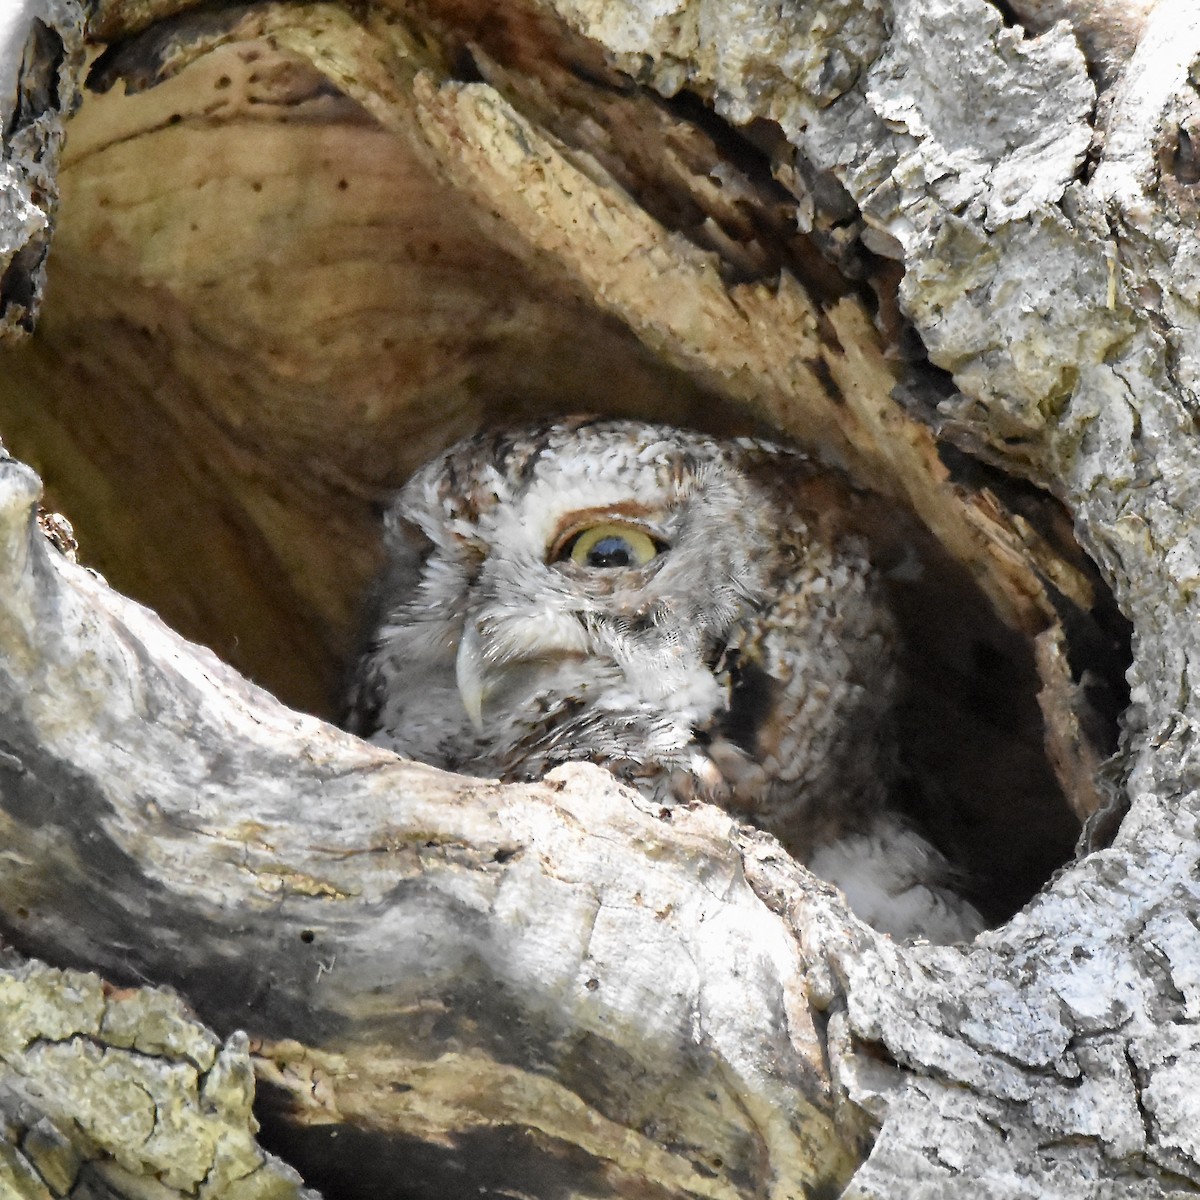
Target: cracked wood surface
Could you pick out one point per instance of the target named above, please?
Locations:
(465, 964)
(41, 54)
(376, 948)
(122, 1093)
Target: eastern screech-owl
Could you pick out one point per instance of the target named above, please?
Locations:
(699, 616)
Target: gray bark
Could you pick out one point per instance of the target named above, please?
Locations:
(41, 53)
(552, 989)
(103, 1092)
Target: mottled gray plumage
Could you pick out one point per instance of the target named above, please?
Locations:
(699, 616)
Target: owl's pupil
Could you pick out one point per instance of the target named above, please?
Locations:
(610, 551)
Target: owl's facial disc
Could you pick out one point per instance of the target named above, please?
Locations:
(498, 653)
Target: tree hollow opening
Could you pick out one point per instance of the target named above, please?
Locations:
(265, 310)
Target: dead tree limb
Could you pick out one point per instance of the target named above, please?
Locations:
(930, 239)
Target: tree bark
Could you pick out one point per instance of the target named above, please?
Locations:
(906, 233)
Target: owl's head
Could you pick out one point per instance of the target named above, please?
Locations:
(687, 611)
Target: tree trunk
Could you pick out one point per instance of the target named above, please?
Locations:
(299, 247)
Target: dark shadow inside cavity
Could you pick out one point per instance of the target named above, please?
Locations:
(976, 775)
(972, 728)
(1007, 14)
(490, 1161)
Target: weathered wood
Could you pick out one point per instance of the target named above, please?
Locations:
(496, 966)
(41, 53)
(551, 989)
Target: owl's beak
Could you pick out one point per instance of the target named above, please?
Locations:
(490, 668)
(468, 674)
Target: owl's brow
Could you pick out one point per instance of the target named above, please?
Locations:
(580, 518)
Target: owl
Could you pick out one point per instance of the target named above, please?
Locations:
(702, 617)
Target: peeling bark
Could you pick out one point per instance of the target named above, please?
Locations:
(41, 51)
(951, 253)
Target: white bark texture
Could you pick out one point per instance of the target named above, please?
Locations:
(456, 988)
(1061, 1052)
(41, 52)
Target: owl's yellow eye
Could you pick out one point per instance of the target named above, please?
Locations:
(610, 545)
